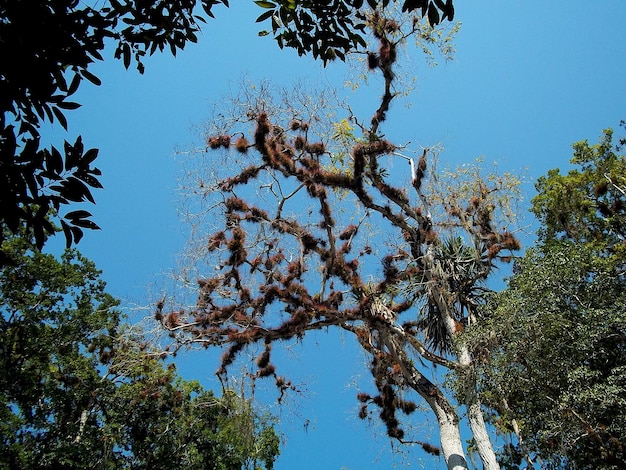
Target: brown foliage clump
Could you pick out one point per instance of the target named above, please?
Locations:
(242, 145)
(216, 142)
(294, 264)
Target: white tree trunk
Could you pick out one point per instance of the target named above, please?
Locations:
(450, 438)
(449, 433)
(447, 419)
(464, 359)
(475, 413)
(479, 430)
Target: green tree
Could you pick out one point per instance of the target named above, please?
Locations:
(80, 389)
(554, 345)
(47, 48)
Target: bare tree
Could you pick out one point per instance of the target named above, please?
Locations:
(319, 230)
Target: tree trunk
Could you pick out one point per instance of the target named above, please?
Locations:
(475, 412)
(450, 439)
(479, 430)
(441, 295)
(447, 419)
(449, 433)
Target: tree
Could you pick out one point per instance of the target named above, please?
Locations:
(45, 54)
(554, 341)
(314, 231)
(79, 389)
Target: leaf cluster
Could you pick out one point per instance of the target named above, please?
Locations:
(587, 204)
(553, 345)
(45, 55)
(46, 51)
(79, 389)
(329, 29)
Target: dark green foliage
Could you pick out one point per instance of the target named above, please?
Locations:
(78, 389)
(587, 205)
(329, 29)
(553, 349)
(46, 49)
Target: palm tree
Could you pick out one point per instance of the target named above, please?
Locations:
(461, 281)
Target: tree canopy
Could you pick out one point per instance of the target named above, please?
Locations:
(316, 229)
(80, 389)
(46, 51)
(554, 344)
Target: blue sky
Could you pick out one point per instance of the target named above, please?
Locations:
(528, 80)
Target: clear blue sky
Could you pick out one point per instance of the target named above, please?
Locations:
(529, 79)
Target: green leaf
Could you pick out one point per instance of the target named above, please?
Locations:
(77, 233)
(449, 10)
(433, 15)
(126, 55)
(79, 214)
(60, 117)
(409, 5)
(73, 153)
(68, 233)
(264, 4)
(264, 16)
(85, 224)
(440, 4)
(74, 84)
(68, 105)
(75, 190)
(91, 77)
(89, 156)
(54, 161)
(90, 180)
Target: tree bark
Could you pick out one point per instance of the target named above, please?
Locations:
(450, 438)
(464, 360)
(475, 412)
(479, 430)
(447, 419)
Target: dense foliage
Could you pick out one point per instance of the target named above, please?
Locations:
(78, 389)
(330, 29)
(556, 337)
(46, 51)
